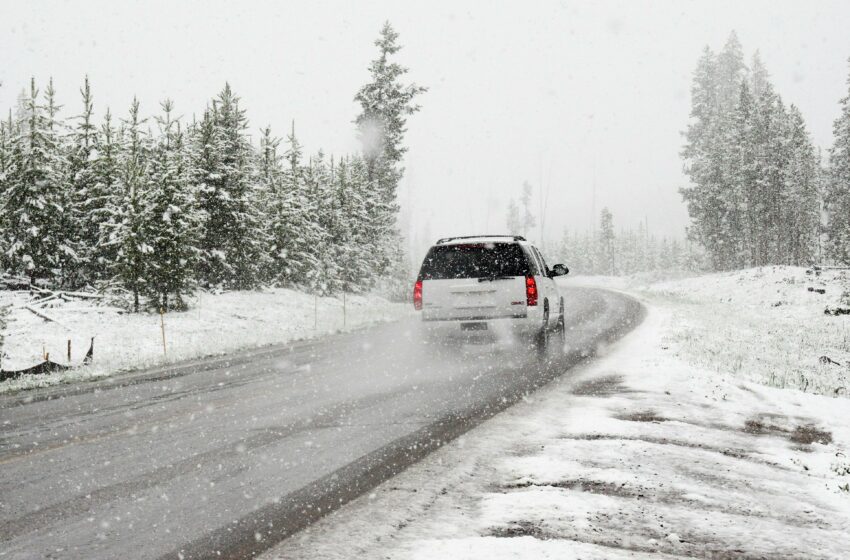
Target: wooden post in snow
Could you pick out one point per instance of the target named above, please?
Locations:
(162, 326)
(69, 350)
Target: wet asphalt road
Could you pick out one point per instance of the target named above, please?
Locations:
(225, 457)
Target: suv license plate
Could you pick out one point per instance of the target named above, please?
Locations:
(473, 326)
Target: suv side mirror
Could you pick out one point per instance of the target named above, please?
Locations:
(559, 270)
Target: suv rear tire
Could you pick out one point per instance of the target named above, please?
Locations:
(541, 339)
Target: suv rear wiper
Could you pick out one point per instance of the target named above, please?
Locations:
(491, 278)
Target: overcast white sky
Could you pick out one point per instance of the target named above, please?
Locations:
(547, 92)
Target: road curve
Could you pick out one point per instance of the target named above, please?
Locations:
(226, 457)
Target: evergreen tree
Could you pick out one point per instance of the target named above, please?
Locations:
(125, 233)
(206, 162)
(606, 238)
(295, 229)
(104, 204)
(350, 224)
(274, 203)
(65, 228)
(34, 201)
(838, 186)
(753, 192)
(746, 174)
(513, 220)
(7, 134)
(155, 212)
(235, 239)
(769, 119)
(364, 253)
(802, 185)
(317, 179)
(385, 103)
(702, 157)
(528, 221)
(172, 223)
(759, 76)
(85, 210)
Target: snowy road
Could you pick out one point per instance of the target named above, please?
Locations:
(232, 455)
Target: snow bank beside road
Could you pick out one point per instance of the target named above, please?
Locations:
(642, 454)
(215, 323)
(764, 324)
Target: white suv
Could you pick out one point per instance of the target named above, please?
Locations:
(496, 283)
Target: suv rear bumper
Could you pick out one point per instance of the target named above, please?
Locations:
(527, 324)
(472, 317)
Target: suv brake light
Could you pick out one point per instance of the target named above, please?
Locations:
(530, 291)
(417, 295)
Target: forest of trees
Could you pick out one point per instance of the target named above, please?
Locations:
(758, 192)
(610, 251)
(158, 206)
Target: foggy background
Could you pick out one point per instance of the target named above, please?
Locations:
(585, 100)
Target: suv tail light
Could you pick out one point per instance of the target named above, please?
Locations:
(417, 295)
(530, 291)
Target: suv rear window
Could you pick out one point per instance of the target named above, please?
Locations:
(474, 260)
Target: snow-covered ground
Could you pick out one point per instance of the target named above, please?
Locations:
(652, 451)
(764, 324)
(215, 323)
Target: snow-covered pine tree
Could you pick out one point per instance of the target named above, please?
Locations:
(69, 272)
(365, 241)
(628, 257)
(606, 239)
(105, 202)
(802, 193)
(85, 210)
(759, 76)
(172, 222)
(675, 255)
(770, 118)
(385, 103)
(34, 195)
(838, 186)
(205, 166)
(745, 178)
(752, 175)
(350, 218)
(235, 240)
(709, 153)
(295, 229)
(269, 169)
(700, 156)
(728, 193)
(323, 278)
(513, 219)
(124, 233)
(590, 254)
(7, 133)
(665, 257)
(528, 220)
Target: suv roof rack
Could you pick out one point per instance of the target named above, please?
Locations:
(447, 239)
